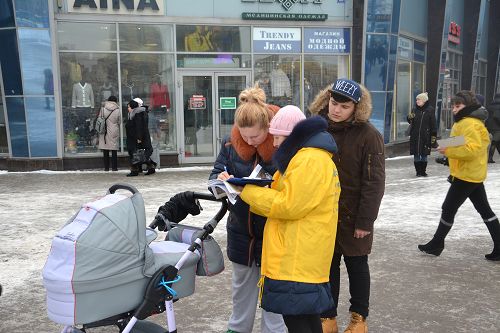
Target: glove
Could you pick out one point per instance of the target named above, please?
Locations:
(411, 115)
(159, 222)
(434, 142)
(176, 209)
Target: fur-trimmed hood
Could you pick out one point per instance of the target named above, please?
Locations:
(265, 150)
(311, 132)
(363, 111)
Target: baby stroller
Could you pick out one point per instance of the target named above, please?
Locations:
(103, 268)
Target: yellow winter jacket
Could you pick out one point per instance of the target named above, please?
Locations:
(302, 211)
(469, 162)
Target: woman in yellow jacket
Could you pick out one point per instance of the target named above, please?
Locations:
(301, 207)
(468, 168)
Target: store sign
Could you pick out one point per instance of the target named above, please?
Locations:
(197, 102)
(405, 48)
(454, 33)
(287, 4)
(324, 40)
(277, 40)
(284, 16)
(138, 7)
(227, 103)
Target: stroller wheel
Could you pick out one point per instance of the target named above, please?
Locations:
(144, 326)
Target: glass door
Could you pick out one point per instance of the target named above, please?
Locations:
(228, 88)
(209, 101)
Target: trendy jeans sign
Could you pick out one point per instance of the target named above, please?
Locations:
(325, 40)
(276, 40)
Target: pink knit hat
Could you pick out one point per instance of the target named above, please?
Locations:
(285, 120)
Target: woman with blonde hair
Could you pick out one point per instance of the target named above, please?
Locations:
(248, 144)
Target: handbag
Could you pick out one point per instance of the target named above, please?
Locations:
(139, 156)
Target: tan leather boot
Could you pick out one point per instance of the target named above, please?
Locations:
(329, 325)
(357, 324)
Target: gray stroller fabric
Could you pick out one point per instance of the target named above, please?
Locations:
(100, 261)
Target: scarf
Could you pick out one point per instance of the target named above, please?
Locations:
(466, 111)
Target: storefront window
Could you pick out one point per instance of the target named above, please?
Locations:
(17, 126)
(41, 120)
(376, 62)
(87, 80)
(320, 72)
(145, 37)
(9, 58)
(32, 14)
(86, 36)
(403, 102)
(36, 55)
(205, 38)
(279, 77)
(6, 14)
(150, 77)
(4, 148)
(379, 16)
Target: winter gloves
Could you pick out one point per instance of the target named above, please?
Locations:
(434, 143)
(411, 115)
(176, 210)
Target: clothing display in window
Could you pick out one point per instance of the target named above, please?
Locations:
(159, 96)
(280, 84)
(83, 96)
(198, 41)
(106, 90)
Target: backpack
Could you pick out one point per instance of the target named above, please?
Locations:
(100, 123)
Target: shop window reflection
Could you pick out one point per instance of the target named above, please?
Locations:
(145, 37)
(86, 36)
(4, 148)
(41, 122)
(150, 77)
(376, 62)
(278, 76)
(87, 80)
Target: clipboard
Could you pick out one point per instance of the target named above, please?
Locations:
(246, 181)
(453, 141)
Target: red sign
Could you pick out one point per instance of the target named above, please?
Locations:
(197, 102)
(454, 33)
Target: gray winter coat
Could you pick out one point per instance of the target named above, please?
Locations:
(110, 140)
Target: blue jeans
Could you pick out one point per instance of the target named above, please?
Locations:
(419, 158)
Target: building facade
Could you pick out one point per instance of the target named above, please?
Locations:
(188, 60)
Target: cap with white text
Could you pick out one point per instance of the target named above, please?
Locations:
(348, 89)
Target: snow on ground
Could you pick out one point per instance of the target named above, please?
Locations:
(411, 292)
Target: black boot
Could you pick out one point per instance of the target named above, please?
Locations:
(436, 245)
(494, 229)
(423, 167)
(417, 168)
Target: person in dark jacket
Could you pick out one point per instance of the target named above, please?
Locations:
(493, 126)
(249, 144)
(468, 170)
(346, 105)
(138, 138)
(422, 133)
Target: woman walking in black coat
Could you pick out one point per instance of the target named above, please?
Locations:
(138, 138)
(493, 126)
(422, 133)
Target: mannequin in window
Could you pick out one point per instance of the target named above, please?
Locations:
(106, 90)
(280, 83)
(159, 98)
(83, 95)
(199, 40)
(83, 102)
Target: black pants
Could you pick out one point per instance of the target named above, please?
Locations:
(493, 145)
(303, 324)
(359, 284)
(114, 159)
(458, 192)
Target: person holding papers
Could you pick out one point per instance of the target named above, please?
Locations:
(248, 145)
(301, 209)
(468, 168)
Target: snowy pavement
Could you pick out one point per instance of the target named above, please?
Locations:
(411, 292)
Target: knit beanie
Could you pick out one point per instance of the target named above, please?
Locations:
(139, 101)
(285, 120)
(424, 97)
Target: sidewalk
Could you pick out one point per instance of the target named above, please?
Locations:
(456, 292)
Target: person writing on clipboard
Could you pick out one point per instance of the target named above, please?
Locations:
(468, 169)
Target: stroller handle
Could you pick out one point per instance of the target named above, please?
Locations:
(122, 186)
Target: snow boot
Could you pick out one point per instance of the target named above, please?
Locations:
(417, 168)
(436, 245)
(329, 325)
(357, 324)
(494, 229)
(423, 167)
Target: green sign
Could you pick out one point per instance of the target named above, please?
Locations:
(227, 103)
(284, 16)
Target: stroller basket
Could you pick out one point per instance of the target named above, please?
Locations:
(101, 261)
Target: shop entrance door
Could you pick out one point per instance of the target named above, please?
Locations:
(209, 101)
